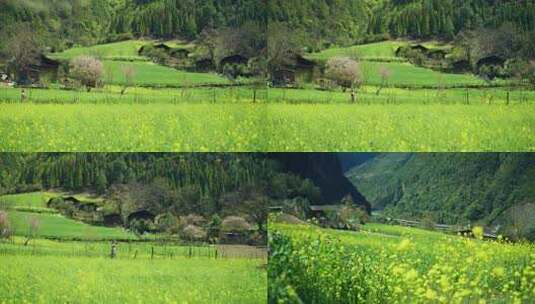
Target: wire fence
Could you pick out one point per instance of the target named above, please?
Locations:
(131, 250)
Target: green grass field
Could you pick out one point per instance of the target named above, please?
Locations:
(76, 272)
(58, 226)
(33, 199)
(396, 265)
(24, 207)
(124, 50)
(151, 74)
(408, 75)
(385, 50)
(266, 127)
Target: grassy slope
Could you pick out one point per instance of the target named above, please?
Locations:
(148, 73)
(118, 55)
(33, 199)
(408, 75)
(119, 50)
(385, 50)
(260, 127)
(403, 74)
(57, 226)
(51, 224)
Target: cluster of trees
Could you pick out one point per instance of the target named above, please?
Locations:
(60, 23)
(514, 46)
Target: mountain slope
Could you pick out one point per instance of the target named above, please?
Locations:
(450, 187)
(325, 171)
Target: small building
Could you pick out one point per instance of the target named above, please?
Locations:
(297, 67)
(43, 68)
(437, 54)
(275, 209)
(88, 207)
(419, 47)
(204, 65)
(460, 66)
(162, 46)
(492, 60)
(235, 230)
(141, 215)
(234, 59)
(488, 233)
(282, 77)
(321, 211)
(159, 46)
(112, 219)
(71, 200)
(179, 53)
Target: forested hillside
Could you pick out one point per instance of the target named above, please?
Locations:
(62, 23)
(490, 188)
(350, 21)
(203, 180)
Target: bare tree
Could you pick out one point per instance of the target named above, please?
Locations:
(5, 226)
(385, 74)
(282, 44)
(88, 70)
(346, 73)
(209, 40)
(129, 74)
(521, 218)
(22, 51)
(33, 229)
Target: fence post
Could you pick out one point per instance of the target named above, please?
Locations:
(152, 252)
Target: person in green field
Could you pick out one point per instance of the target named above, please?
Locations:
(23, 95)
(113, 253)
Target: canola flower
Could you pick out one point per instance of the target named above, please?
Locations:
(398, 265)
(265, 127)
(52, 274)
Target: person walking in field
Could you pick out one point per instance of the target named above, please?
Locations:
(113, 253)
(23, 95)
(353, 96)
